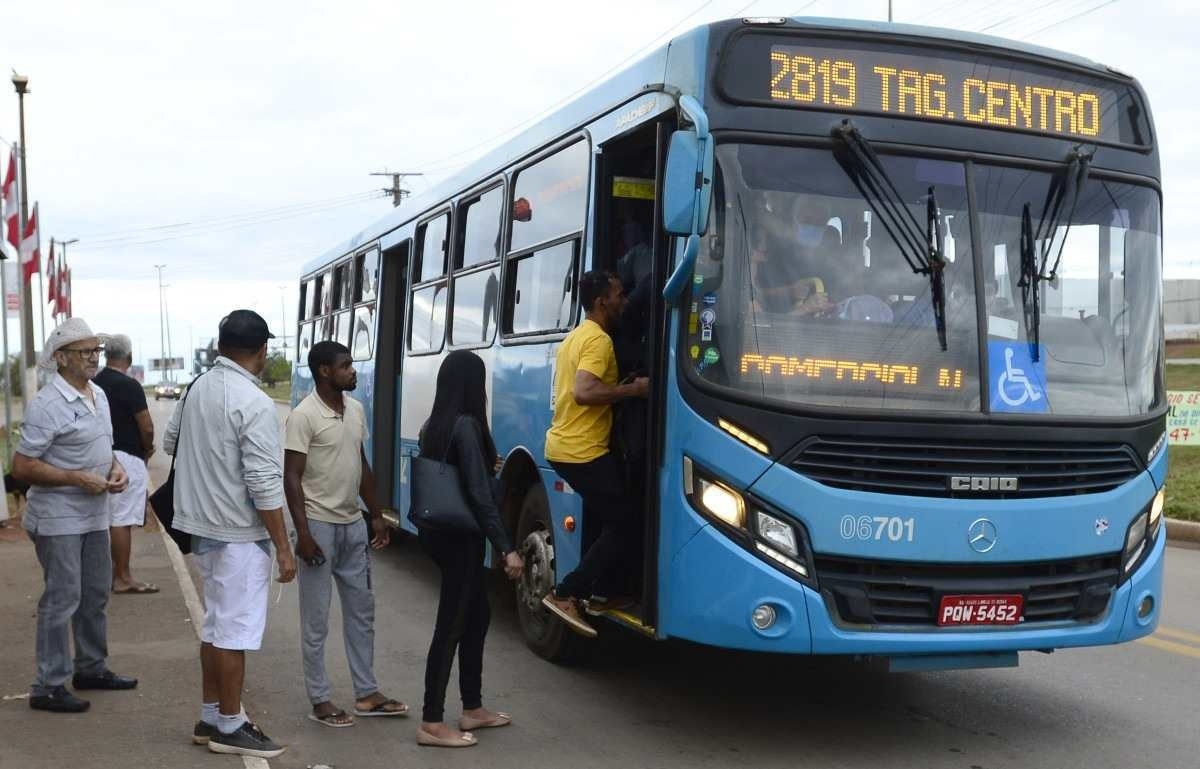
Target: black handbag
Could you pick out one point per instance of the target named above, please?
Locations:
(163, 498)
(438, 502)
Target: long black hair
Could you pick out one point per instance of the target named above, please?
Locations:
(460, 392)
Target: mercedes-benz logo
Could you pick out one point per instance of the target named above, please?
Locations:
(982, 535)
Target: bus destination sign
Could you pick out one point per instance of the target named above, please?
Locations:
(933, 84)
(997, 94)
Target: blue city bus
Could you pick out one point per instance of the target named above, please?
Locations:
(899, 297)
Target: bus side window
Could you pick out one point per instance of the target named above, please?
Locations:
(540, 290)
(432, 237)
(428, 319)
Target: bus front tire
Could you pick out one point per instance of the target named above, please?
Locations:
(545, 634)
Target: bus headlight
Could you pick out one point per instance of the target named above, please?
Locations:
(713, 498)
(777, 534)
(1156, 510)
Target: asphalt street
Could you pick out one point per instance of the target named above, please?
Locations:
(642, 704)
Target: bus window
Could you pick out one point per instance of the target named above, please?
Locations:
(541, 290)
(550, 197)
(432, 236)
(305, 303)
(428, 319)
(475, 299)
(366, 271)
(341, 286)
(324, 328)
(481, 233)
(364, 326)
(342, 329)
(320, 297)
(304, 344)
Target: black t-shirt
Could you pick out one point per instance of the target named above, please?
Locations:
(125, 399)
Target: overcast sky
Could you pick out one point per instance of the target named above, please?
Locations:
(231, 141)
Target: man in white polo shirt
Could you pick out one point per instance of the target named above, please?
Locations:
(325, 473)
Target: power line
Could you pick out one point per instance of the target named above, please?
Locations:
(1069, 18)
(133, 243)
(437, 164)
(1040, 15)
(132, 231)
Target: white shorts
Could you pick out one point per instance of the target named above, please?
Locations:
(236, 579)
(129, 507)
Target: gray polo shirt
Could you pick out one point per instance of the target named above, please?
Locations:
(63, 429)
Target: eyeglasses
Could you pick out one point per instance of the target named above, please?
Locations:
(89, 352)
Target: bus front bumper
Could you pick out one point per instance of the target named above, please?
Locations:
(719, 586)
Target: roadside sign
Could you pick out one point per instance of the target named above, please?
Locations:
(1183, 418)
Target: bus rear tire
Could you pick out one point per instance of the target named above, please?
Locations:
(544, 633)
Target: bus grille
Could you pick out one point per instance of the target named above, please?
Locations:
(897, 593)
(924, 469)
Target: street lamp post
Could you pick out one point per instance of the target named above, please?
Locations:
(162, 339)
(21, 84)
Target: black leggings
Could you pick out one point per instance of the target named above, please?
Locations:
(462, 622)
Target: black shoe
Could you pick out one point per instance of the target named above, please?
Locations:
(59, 701)
(105, 680)
(202, 732)
(248, 740)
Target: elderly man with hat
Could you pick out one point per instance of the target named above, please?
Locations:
(225, 438)
(66, 457)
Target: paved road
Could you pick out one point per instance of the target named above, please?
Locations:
(678, 705)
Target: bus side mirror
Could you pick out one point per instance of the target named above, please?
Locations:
(679, 183)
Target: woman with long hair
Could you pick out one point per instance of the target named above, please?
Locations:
(457, 433)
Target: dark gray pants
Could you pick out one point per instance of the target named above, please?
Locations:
(348, 565)
(78, 576)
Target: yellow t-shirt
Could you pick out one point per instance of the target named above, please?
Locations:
(334, 446)
(579, 434)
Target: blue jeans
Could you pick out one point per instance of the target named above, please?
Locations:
(78, 576)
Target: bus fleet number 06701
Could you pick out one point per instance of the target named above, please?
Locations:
(877, 528)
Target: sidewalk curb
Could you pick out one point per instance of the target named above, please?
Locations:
(1182, 531)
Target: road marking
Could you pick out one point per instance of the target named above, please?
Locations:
(196, 612)
(1178, 635)
(1171, 646)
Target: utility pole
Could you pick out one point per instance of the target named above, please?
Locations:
(398, 193)
(283, 318)
(29, 381)
(162, 339)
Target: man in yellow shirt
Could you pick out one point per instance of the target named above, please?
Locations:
(585, 387)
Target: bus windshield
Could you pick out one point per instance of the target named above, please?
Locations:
(803, 295)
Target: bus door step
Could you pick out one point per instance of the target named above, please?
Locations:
(921, 663)
(629, 619)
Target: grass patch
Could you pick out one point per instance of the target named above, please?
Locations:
(283, 391)
(1183, 377)
(1183, 483)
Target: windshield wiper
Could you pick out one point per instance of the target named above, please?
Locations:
(923, 251)
(1063, 195)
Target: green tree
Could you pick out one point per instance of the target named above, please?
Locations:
(279, 369)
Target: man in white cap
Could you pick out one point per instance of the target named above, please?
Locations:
(133, 443)
(66, 457)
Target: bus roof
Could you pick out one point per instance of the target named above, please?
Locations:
(649, 71)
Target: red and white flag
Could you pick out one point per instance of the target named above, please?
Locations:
(51, 278)
(68, 301)
(31, 247)
(11, 206)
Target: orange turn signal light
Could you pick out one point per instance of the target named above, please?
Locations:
(569, 523)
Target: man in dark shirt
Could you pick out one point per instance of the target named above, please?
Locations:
(133, 443)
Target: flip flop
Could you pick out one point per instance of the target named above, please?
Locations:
(429, 740)
(466, 724)
(329, 719)
(141, 588)
(382, 710)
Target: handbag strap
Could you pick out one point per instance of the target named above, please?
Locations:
(179, 436)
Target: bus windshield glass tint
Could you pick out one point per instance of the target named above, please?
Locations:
(802, 295)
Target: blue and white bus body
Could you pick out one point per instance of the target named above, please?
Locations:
(711, 588)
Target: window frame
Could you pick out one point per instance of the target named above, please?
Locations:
(358, 303)
(441, 345)
(580, 237)
(419, 251)
(462, 210)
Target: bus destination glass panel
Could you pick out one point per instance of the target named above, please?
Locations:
(945, 86)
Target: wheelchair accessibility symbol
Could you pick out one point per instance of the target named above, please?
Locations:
(1019, 382)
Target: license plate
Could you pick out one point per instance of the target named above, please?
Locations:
(980, 610)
